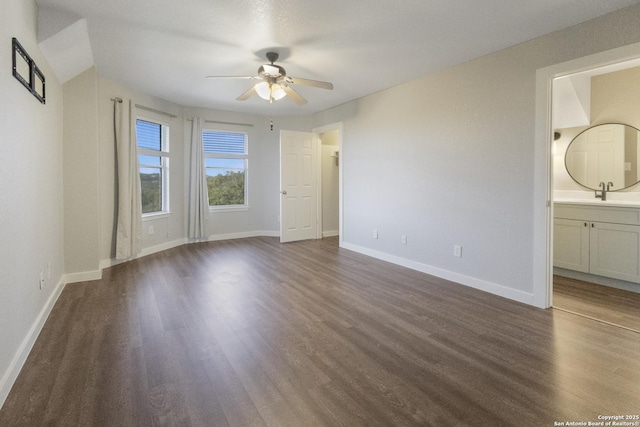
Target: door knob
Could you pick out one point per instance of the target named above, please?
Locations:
(284, 192)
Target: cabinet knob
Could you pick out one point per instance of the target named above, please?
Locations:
(585, 224)
(592, 225)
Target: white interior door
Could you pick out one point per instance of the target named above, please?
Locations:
(608, 146)
(599, 157)
(298, 186)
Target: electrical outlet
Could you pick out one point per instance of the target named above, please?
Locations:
(403, 239)
(457, 251)
(151, 230)
(41, 280)
(375, 233)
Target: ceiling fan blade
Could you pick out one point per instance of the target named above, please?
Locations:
(233, 77)
(247, 94)
(307, 82)
(295, 96)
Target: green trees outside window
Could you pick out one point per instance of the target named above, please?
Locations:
(153, 156)
(226, 165)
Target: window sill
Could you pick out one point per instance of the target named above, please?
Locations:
(215, 209)
(155, 215)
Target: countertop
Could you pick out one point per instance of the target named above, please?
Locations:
(598, 202)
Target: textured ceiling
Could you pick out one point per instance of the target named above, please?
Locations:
(167, 47)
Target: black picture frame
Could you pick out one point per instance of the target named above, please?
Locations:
(27, 72)
(38, 84)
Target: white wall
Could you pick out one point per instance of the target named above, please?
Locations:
(449, 159)
(31, 216)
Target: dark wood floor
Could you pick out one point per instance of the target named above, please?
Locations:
(605, 303)
(253, 332)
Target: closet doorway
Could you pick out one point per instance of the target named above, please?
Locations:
(330, 178)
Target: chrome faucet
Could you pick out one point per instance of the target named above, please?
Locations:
(603, 192)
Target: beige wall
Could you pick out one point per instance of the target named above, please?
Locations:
(80, 165)
(615, 98)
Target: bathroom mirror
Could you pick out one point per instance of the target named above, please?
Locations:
(605, 153)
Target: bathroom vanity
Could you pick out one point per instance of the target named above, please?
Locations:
(596, 227)
(600, 238)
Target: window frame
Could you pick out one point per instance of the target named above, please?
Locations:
(245, 157)
(164, 155)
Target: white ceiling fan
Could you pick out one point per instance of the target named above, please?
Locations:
(275, 83)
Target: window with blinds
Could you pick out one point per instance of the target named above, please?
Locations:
(226, 159)
(153, 159)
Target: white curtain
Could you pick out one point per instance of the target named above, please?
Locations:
(129, 224)
(198, 192)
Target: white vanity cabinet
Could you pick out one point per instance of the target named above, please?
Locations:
(598, 239)
(571, 244)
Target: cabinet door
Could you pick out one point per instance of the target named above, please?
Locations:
(571, 244)
(615, 251)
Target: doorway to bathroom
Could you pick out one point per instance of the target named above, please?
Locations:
(595, 236)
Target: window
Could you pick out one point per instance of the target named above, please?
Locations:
(153, 159)
(226, 163)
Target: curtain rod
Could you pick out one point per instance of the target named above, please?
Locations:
(225, 123)
(142, 107)
(153, 110)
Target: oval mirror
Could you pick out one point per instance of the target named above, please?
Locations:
(605, 153)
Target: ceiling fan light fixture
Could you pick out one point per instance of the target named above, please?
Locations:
(277, 92)
(270, 91)
(263, 91)
(275, 83)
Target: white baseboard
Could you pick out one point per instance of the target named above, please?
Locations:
(462, 279)
(330, 233)
(162, 247)
(84, 276)
(243, 235)
(106, 263)
(9, 377)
